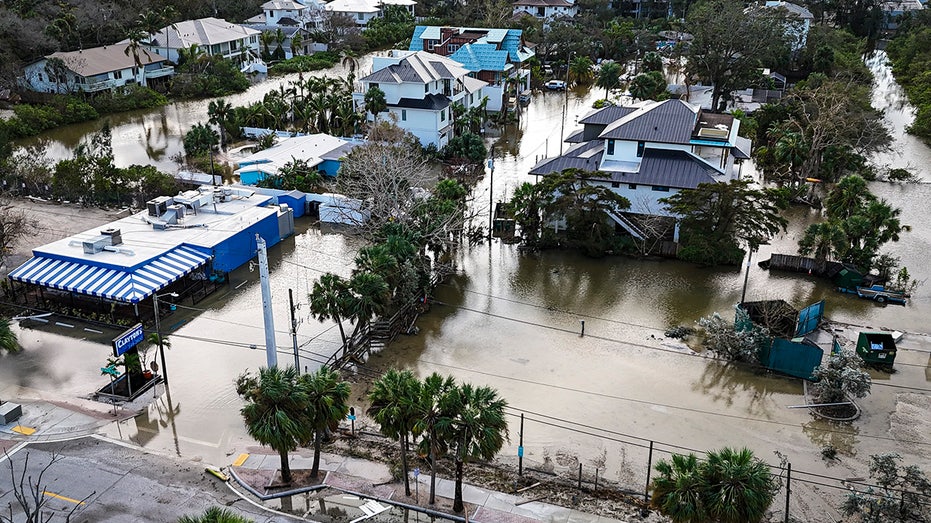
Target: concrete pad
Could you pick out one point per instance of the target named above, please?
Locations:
(374, 472)
(240, 460)
(489, 515)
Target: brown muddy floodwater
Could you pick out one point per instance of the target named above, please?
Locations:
(513, 322)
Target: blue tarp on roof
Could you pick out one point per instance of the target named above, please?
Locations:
(481, 57)
(131, 286)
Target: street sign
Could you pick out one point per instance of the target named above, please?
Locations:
(127, 340)
(351, 417)
(520, 451)
(416, 472)
(111, 370)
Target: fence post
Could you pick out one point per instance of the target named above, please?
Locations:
(646, 492)
(788, 488)
(580, 475)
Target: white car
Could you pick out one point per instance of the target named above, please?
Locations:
(556, 85)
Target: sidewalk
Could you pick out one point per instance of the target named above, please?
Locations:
(373, 480)
(349, 478)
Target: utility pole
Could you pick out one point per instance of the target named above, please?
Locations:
(491, 194)
(297, 358)
(271, 357)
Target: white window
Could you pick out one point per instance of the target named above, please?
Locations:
(117, 75)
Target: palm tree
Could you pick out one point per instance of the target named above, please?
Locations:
(580, 70)
(370, 297)
(375, 101)
(216, 515)
(327, 398)
(220, 112)
(133, 48)
(429, 412)
(296, 43)
(266, 39)
(476, 428)
(730, 486)
(278, 411)
(8, 340)
(678, 489)
(609, 76)
(392, 398)
(378, 260)
(329, 300)
(743, 487)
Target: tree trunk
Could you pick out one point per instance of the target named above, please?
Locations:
(342, 333)
(407, 481)
(316, 467)
(285, 466)
(457, 502)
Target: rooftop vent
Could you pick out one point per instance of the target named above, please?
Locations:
(116, 237)
(717, 134)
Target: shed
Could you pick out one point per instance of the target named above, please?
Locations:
(876, 348)
(848, 278)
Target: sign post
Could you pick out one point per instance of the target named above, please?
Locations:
(352, 420)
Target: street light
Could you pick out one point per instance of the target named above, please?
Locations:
(158, 332)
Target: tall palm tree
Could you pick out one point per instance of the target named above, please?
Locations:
(378, 260)
(278, 411)
(220, 112)
(370, 297)
(393, 397)
(580, 70)
(609, 76)
(476, 428)
(133, 48)
(296, 43)
(327, 398)
(429, 411)
(8, 340)
(329, 300)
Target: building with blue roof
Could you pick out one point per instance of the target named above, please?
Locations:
(185, 244)
(495, 56)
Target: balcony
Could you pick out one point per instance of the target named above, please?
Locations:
(93, 87)
(158, 73)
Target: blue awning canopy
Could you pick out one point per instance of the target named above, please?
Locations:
(130, 286)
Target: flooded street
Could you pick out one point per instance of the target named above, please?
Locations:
(513, 322)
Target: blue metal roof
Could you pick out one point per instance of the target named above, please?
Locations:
(131, 286)
(481, 57)
(416, 41)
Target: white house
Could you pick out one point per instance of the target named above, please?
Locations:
(546, 9)
(420, 88)
(214, 36)
(281, 13)
(800, 21)
(652, 150)
(95, 69)
(361, 11)
(320, 151)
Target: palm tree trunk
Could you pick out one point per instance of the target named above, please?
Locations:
(285, 466)
(316, 467)
(342, 333)
(407, 480)
(457, 502)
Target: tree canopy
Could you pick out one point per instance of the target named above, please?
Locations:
(719, 219)
(731, 44)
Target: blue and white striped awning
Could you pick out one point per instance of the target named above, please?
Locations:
(114, 284)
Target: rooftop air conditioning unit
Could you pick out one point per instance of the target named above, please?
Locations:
(116, 237)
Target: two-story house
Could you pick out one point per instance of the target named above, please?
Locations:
(95, 69)
(652, 150)
(495, 56)
(361, 11)
(213, 36)
(798, 20)
(546, 10)
(420, 89)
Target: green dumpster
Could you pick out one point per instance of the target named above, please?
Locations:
(876, 348)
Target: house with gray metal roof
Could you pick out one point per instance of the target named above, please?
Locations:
(546, 9)
(495, 56)
(651, 150)
(420, 89)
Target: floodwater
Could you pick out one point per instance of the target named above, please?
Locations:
(513, 322)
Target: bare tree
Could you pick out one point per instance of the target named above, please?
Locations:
(13, 225)
(653, 226)
(386, 177)
(30, 494)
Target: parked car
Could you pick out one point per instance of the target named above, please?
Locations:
(556, 85)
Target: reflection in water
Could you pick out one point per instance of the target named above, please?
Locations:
(833, 434)
(722, 382)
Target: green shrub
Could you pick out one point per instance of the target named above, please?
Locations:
(30, 120)
(305, 63)
(128, 98)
